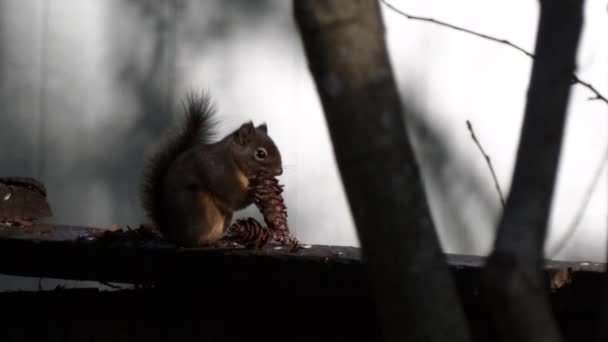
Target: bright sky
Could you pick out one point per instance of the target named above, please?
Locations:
(485, 82)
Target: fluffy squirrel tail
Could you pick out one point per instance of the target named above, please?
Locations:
(197, 127)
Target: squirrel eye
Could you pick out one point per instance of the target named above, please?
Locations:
(260, 153)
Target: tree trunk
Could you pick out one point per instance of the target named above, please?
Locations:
(415, 294)
(514, 286)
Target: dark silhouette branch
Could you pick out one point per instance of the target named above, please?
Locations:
(489, 162)
(578, 216)
(575, 78)
(347, 56)
(514, 286)
(112, 286)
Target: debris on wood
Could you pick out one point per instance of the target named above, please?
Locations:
(144, 233)
(22, 201)
(561, 278)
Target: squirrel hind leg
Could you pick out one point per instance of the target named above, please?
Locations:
(196, 221)
(212, 220)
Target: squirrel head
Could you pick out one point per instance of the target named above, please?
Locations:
(255, 152)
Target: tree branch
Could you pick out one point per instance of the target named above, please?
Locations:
(513, 283)
(575, 78)
(487, 158)
(346, 53)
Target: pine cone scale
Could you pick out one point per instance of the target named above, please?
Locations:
(270, 202)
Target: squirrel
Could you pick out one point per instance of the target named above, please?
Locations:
(192, 186)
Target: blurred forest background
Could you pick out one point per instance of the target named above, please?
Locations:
(87, 89)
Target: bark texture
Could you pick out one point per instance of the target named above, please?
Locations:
(514, 286)
(347, 56)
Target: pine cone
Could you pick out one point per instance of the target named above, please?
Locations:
(249, 232)
(268, 199)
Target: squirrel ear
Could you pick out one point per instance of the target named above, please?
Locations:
(263, 128)
(245, 132)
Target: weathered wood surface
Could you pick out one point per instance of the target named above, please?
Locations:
(22, 199)
(318, 293)
(75, 253)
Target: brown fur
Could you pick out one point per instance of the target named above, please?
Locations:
(215, 217)
(193, 186)
(243, 180)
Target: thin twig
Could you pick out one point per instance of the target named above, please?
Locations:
(485, 155)
(575, 78)
(112, 286)
(576, 220)
(598, 95)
